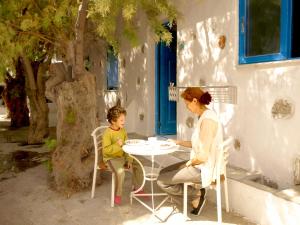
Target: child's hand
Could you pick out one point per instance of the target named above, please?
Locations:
(128, 165)
(102, 166)
(120, 142)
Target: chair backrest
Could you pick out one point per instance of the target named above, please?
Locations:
(97, 138)
(223, 155)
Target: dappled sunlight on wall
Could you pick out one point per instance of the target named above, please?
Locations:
(199, 54)
(202, 40)
(265, 137)
(184, 53)
(134, 86)
(182, 75)
(134, 53)
(212, 34)
(226, 114)
(219, 73)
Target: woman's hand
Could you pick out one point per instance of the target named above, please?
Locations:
(193, 162)
(188, 163)
(174, 141)
(187, 144)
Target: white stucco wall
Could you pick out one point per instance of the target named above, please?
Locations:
(267, 145)
(137, 77)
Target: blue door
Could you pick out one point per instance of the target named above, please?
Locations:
(165, 112)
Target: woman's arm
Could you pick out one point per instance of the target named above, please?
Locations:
(208, 132)
(187, 144)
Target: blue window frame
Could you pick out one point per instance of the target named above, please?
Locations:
(112, 72)
(268, 30)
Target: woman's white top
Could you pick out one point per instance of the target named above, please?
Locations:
(208, 169)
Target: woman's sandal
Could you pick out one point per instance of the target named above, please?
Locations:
(202, 200)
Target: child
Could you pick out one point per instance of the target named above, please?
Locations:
(114, 156)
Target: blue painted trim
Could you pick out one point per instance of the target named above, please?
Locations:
(284, 28)
(157, 89)
(289, 16)
(285, 34)
(242, 30)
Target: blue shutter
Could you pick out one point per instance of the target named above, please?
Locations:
(112, 71)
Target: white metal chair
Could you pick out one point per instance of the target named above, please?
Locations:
(97, 137)
(226, 145)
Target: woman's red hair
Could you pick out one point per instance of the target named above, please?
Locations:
(195, 92)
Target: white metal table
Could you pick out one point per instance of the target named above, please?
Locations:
(152, 149)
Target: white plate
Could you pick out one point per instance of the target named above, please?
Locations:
(135, 142)
(163, 144)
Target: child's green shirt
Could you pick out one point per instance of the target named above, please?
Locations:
(111, 149)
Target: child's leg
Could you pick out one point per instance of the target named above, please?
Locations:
(117, 166)
(137, 175)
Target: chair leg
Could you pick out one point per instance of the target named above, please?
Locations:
(219, 203)
(226, 194)
(94, 181)
(185, 187)
(112, 200)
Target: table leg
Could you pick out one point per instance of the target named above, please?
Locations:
(150, 177)
(144, 180)
(152, 190)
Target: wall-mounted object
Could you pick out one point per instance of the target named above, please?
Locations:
(282, 109)
(189, 122)
(141, 116)
(237, 144)
(181, 46)
(296, 168)
(219, 93)
(172, 93)
(222, 41)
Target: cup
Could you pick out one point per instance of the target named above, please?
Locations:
(152, 139)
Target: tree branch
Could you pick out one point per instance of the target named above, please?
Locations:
(79, 40)
(29, 73)
(41, 36)
(30, 81)
(57, 73)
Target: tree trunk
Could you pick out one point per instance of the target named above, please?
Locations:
(35, 84)
(72, 159)
(14, 96)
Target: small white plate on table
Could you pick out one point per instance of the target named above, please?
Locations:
(162, 144)
(135, 142)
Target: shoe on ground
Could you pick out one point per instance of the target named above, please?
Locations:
(202, 200)
(117, 200)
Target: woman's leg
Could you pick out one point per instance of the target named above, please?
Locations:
(117, 166)
(171, 178)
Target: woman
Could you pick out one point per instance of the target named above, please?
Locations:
(205, 142)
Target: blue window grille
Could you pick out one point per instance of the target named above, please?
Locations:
(268, 30)
(112, 72)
